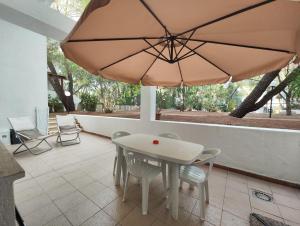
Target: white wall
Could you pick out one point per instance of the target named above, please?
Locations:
(269, 152)
(23, 72)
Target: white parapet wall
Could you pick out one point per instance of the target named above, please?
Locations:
(269, 152)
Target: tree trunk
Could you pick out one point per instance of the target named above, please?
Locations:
(54, 81)
(255, 101)
(288, 104)
(247, 105)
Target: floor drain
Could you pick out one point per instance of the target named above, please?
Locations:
(262, 195)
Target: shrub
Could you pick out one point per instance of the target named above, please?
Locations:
(88, 102)
(54, 104)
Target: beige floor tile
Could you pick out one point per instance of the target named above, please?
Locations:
(229, 219)
(268, 207)
(284, 190)
(52, 183)
(104, 198)
(92, 189)
(82, 212)
(196, 221)
(265, 214)
(69, 201)
(238, 186)
(100, 219)
(290, 223)
(287, 201)
(81, 181)
(59, 221)
(28, 193)
(135, 217)
(258, 184)
(61, 191)
(236, 195)
(290, 214)
(42, 215)
(237, 177)
(239, 208)
(33, 204)
(212, 213)
(118, 209)
(19, 187)
(73, 175)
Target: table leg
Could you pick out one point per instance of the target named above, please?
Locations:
(169, 201)
(124, 168)
(119, 165)
(174, 193)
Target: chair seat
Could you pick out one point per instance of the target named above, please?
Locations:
(145, 170)
(70, 131)
(192, 174)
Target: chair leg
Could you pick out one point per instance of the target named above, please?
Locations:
(206, 191)
(201, 201)
(145, 192)
(126, 186)
(115, 163)
(164, 176)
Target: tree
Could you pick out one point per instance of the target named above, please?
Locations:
(291, 91)
(55, 56)
(257, 99)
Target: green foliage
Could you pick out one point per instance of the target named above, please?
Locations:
(54, 104)
(88, 102)
(210, 98)
(295, 85)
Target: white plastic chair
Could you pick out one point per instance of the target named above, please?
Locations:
(67, 127)
(114, 136)
(139, 168)
(163, 163)
(196, 176)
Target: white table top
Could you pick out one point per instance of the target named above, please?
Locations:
(177, 151)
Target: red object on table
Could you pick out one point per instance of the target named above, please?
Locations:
(155, 142)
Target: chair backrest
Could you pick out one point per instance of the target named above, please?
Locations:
(170, 135)
(22, 123)
(65, 120)
(208, 156)
(135, 163)
(119, 134)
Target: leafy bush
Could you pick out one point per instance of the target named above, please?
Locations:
(54, 104)
(88, 102)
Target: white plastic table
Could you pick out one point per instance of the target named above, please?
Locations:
(173, 152)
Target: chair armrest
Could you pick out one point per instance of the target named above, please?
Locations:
(24, 136)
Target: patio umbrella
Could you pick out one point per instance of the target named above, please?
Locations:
(191, 42)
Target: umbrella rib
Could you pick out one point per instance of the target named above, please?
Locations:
(152, 46)
(131, 55)
(240, 45)
(204, 58)
(180, 72)
(228, 16)
(183, 56)
(155, 16)
(113, 39)
(157, 57)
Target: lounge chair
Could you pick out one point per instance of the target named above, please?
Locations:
(67, 127)
(27, 132)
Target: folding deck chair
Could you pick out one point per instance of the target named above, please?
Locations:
(67, 127)
(27, 132)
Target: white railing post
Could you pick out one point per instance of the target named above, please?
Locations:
(148, 103)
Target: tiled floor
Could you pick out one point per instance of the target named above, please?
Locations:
(74, 186)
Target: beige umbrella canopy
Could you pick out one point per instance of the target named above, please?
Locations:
(191, 42)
